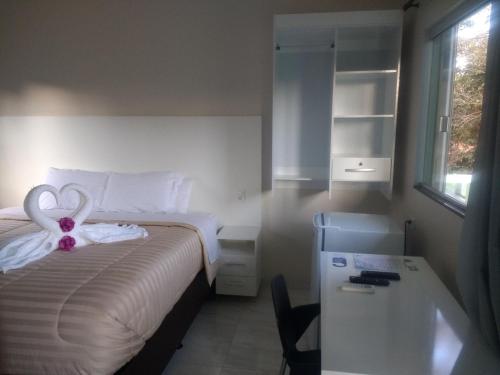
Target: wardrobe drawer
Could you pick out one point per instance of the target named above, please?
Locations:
(361, 169)
(237, 285)
(235, 265)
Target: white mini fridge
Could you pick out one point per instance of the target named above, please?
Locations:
(352, 233)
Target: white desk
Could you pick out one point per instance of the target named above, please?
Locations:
(412, 327)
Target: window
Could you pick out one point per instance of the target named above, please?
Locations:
(455, 106)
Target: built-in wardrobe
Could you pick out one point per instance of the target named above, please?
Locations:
(335, 99)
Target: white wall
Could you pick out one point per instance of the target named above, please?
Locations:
(437, 230)
(156, 57)
(221, 154)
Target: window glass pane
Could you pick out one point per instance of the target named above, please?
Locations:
(468, 85)
(455, 104)
(442, 98)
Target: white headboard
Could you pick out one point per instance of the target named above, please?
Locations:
(221, 154)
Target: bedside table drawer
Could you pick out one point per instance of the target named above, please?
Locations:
(237, 265)
(235, 285)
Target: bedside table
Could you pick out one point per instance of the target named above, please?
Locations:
(240, 262)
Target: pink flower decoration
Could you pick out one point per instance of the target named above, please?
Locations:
(66, 224)
(66, 243)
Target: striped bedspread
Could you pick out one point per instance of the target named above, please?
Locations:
(91, 310)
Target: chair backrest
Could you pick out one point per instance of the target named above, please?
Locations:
(281, 300)
(283, 312)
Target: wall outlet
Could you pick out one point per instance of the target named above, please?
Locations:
(241, 195)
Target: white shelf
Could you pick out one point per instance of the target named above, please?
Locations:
(359, 155)
(364, 72)
(292, 178)
(362, 116)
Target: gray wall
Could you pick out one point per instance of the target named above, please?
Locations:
(196, 57)
(437, 230)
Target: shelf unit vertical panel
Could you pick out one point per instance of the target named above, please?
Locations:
(388, 192)
(332, 111)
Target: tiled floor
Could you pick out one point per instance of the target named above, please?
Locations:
(233, 336)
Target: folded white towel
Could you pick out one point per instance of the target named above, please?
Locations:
(25, 249)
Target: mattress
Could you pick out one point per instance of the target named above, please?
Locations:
(91, 310)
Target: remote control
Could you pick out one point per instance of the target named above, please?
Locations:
(358, 288)
(381, 275)
(368, 280)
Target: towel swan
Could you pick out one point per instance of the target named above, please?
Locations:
(64, 234)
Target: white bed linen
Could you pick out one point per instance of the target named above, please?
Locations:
(142, 192)
(94, 182)
(205, 222)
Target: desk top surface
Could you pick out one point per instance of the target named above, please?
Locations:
(412, 327)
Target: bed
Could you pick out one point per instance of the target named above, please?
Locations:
(100, 309)
(220, 154)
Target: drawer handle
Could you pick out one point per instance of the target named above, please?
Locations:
(233, 264)
(360, 170)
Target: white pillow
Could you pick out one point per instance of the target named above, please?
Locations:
(94, 182)
(184, 195)
(142, 192)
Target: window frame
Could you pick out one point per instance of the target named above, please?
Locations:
(447, 201)
(426, 149)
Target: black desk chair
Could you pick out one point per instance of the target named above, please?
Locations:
(292, 323)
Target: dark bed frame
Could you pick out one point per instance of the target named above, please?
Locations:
(159, 349)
